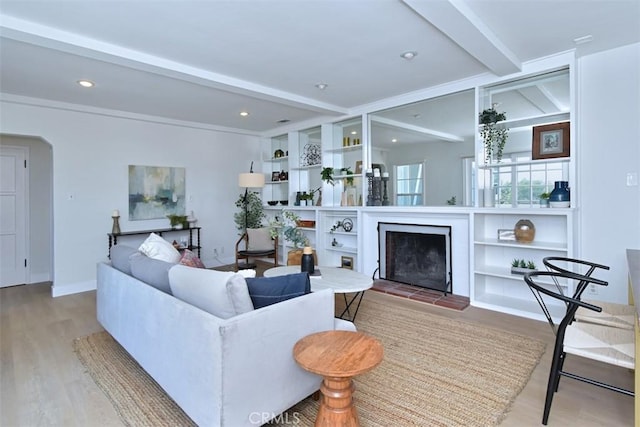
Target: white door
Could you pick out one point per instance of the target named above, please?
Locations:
(13, 270)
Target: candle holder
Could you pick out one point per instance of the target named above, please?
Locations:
(116, 225)
(369, 176)
(377, 191)
(385, 196)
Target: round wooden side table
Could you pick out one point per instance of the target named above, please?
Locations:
(338, 356)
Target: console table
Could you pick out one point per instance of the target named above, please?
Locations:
(194, 236)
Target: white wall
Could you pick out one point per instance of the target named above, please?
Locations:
(91, 154)
(607, 148)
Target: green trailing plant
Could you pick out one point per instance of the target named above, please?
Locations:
(176, 220)
(493, 135)
(347, 171)
(545, 196)
(255, 212)
(287, 224)
(327, 175)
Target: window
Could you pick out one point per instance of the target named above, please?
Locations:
(518, 181)
(409, 185)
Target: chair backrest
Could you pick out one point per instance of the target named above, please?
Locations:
(539, 289)
(552, 264)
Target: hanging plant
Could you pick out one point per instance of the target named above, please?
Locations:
(255, 211)
(493, 135)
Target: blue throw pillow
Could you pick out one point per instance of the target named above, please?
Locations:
(265, 291)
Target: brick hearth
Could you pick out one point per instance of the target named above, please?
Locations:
(428, 296)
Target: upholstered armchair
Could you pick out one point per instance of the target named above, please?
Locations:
(256, 243)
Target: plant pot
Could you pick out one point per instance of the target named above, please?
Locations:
(521, 270)
(294, 257)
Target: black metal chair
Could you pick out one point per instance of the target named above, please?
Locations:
(598, 342)
(612, 314)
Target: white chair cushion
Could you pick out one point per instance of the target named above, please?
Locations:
(604, 343)
(612, 314)
(259, 239)
(157, 248)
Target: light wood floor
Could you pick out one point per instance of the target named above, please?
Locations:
(43, 384)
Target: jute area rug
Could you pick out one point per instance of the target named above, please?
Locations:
(436, 372)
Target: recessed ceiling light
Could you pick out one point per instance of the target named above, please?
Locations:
(86, 83)
(409, 55)
(244, 113)
(353, 132)
(283, 121)
(394, 140)
(322, 86)
(583, 39)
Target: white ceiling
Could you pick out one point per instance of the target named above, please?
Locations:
(205, 61)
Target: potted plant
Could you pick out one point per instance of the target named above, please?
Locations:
(326, 174)
(348, 172)
(520, 266)
(178, 221)
(251, 215)
(287, 225)
(544, 199)
(493, 135)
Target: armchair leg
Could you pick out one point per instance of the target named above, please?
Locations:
(554, 379)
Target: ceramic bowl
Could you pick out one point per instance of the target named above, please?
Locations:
(284, 202)
(272, 202)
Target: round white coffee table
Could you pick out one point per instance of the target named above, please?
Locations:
(341, 280)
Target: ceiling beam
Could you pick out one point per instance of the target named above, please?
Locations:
(404, 126)
(458, 22)
(44, 36)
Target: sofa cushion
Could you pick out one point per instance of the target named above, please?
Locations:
(205, 289)
(157, 248)
(190, 259)
(151, 271)
(259, 239)
(120, 255)
(239, 293)
(265, 291)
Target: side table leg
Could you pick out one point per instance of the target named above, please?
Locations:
(336, 404)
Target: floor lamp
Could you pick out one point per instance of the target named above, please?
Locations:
(247, 181)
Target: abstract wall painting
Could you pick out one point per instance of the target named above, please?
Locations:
(155, 192)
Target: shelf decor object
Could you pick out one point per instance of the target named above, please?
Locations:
(116, 222)
(551, 141)
(525, 231)
(385, 195)
(311, 155)
(560, 197)
(369, 175)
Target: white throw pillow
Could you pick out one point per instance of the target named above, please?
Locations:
(239, 293)
(247, 274)
(157, 248)
(259, 239)
(205, 289)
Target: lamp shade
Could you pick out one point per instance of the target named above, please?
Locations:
(251, 180)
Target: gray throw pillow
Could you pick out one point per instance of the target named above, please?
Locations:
(151, 271)
(120, 255)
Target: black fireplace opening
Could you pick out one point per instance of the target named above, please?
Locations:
(416, 254)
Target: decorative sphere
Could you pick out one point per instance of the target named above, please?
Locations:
(525, 231)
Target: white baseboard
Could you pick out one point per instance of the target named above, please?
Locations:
(73, 288)
(39, 277)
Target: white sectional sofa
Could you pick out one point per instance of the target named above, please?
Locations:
(237, 371)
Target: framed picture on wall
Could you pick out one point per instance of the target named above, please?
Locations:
(346, 262)
(551, 141)
(358, 167)
(275, 176)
